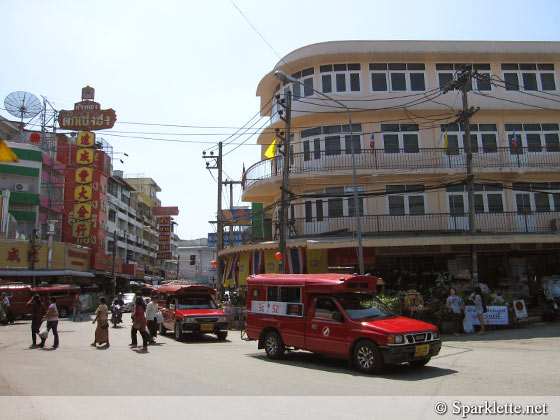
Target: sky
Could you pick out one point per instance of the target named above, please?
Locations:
(182, 75)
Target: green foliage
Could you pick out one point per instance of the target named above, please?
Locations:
(394, 303)
(435, 301)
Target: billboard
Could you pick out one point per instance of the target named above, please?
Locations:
(165, 211)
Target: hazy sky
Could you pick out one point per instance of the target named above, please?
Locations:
(197, 64)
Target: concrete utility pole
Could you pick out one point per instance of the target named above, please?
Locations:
(113, 278)
(280, 75)
(219, 223)
(463, 82)
(283, 222)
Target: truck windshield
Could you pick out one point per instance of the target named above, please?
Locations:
(363, 305)
(199, 302)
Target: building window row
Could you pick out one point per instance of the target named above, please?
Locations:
(411, 77)
(332, 140)
(410, 200)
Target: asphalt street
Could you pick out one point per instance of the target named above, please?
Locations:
(521, 361)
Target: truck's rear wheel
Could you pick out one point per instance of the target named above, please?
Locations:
(367, 357)
(274, 345)
(222, 335)
(177, 332)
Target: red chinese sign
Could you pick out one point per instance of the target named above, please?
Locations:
(87, 115)
(165, 211)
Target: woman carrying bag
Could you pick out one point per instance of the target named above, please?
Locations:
(139, 324)
(102, 329)
(52, 324)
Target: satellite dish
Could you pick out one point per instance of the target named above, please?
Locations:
(23, 105)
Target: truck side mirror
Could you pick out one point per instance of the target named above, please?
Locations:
(337, 316)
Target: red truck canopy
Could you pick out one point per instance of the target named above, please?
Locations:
(318, 283)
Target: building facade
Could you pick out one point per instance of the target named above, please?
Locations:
(408, 150)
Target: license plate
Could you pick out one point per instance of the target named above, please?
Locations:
(206, 327)
(422, 350)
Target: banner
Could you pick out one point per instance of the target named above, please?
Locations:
(317, 261)
(243, 273)
(495, 315)
(520, 309)
(270, 262)
(296, 261)
(257, 258)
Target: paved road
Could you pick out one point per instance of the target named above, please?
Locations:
(520, 361)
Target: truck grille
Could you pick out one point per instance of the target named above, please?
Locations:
(418, 338)
(206, 320)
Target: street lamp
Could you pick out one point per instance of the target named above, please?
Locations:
(283, 77)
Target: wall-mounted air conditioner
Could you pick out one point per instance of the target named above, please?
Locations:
(19, 187)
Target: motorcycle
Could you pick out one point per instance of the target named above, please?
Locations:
(116, 317)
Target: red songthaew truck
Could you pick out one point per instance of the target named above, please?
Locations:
(337, 315)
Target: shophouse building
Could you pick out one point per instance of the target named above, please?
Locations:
(408, 150)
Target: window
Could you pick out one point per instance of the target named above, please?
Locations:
(483, 138)
(397, 77)
(400, 138)
(298, 91)
(406, 199)
(529, 76)
(537, 196)
(488, 198)
(290, 294)
(446, 73)
(324, 309)
(533, 138)
(112, 215)
(340, 78)
(339, 203)
(332, 139)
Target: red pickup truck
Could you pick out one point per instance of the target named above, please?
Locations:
(337, 315)
(190, 309)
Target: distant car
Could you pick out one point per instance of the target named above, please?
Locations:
(128, 299)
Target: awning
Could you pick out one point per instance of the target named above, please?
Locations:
(42, 273)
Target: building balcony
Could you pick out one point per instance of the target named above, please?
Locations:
(506, 223)
(383, 162)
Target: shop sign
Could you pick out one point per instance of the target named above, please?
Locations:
(165, 211)
(495, 315)
(77, 258)
(165, 247)
(87, 114)
(164, 255)
(103, 262)
(237, 216)
(164, 238)
(520, 309)
(164, 220)
(164, 229)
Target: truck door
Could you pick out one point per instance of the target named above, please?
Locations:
(169, 313)
(324, 333)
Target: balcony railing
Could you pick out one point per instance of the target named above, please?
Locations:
(408, 159)
(429, 224)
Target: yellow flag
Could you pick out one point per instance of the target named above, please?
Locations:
(271, 151)
(445, 141)
(317, 261)
(6, 154)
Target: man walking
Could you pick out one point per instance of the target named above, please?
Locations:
(6, 308)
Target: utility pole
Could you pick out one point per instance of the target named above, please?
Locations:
(463, 82)
(220, 232)
(33, 252)
(231, 184)
(113, 278)
(283, 222)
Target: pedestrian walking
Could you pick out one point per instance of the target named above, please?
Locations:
(139, 324)
(6, 308)
(52, 322)
(229, 312)
(480, 306)
(455, 304)
(151, 318)
(102, 329)
(35, 305)
(77, 308)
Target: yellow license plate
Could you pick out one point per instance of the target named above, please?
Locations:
(206, 327)
(422, 350)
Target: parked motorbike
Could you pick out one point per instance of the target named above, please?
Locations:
(116, 317)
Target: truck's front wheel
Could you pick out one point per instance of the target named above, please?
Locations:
(367, 357)
(274, 345)
(177, 332)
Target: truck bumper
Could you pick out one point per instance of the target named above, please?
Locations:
(198, 329)
(401, 354)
